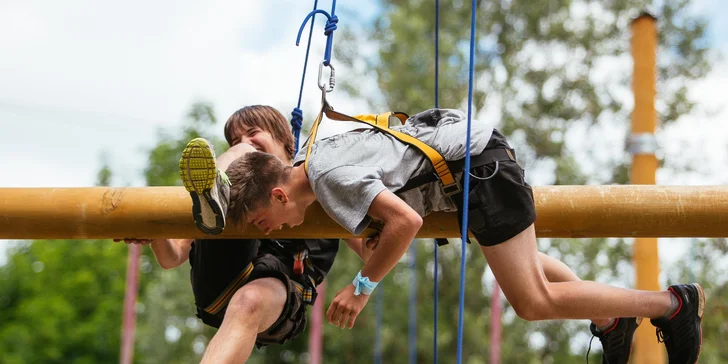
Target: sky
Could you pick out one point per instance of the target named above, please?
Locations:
(80, 78)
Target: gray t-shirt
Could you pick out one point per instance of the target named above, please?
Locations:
(347, 171)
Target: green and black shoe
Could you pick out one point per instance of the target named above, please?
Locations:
(208, 186)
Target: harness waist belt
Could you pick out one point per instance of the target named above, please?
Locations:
(487, 156)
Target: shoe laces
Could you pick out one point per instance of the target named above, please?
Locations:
(224, 177)
(588, 350)
(676, 334)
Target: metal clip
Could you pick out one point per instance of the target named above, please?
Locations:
(332, 78)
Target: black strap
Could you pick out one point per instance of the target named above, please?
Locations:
(313, 245)
(488, 156)
(458, 201)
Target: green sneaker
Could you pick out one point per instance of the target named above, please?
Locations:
(208, 186)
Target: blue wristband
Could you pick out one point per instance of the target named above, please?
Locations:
(363, 285)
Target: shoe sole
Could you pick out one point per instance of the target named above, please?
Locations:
(198, 171)
(701, 309)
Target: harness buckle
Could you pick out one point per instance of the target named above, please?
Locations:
(451, 189)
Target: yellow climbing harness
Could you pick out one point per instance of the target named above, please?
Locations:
(382, 122)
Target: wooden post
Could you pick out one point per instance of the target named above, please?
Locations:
(316, 333)
(642, 145)
(130, 297)
(496, 324)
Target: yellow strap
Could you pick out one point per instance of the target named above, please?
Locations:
(381, 122)
(225, 296)
(312, 134)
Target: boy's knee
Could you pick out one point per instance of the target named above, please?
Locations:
(533, 308)
(247, 303)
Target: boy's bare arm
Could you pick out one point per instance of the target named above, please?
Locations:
(401, 224)
(171, 253)
(362, 247)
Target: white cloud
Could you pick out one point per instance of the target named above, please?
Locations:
(83, 76)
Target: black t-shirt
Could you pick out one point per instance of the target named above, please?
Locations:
(216, 262)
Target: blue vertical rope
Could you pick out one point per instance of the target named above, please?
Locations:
(412, 337)
(329, 32)
(437, 101)
(297, 113)
(466, 185)
(378, 326)
(331, 21)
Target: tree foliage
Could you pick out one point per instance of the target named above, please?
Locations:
(548, 73)
(554, 74)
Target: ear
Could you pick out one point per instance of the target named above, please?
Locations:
(279, 195)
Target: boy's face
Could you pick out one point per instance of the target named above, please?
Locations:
(277, 214)
(261, 140)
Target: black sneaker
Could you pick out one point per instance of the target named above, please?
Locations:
(208, 186)
(617, 340)
(681, 332)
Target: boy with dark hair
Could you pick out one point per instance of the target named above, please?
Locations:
(248, 288)
(358, 177)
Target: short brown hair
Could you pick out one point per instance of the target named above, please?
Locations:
(252, 177)
(266, 118)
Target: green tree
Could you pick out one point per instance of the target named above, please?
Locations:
(61, 301)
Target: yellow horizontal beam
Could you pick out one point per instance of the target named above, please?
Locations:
(164, 212)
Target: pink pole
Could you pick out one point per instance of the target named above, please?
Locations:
(130, 297)
(496, 307)
(315, 335)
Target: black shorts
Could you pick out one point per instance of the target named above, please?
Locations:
(292, 320)
(500, 202)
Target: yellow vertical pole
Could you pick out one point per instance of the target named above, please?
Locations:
(642, 145)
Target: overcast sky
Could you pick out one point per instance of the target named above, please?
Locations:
(80, 77)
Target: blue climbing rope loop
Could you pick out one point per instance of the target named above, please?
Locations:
(331, 21)
(466, 184)
(297, 113)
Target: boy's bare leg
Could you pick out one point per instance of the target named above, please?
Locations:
(224, 160)
(519, 270)
(253, 309)
(556, 271)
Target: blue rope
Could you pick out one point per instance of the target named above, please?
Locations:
(331, 21)
(437, 101)
(466, 185)
(412, 337)
(297, 113)
(378, 326)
